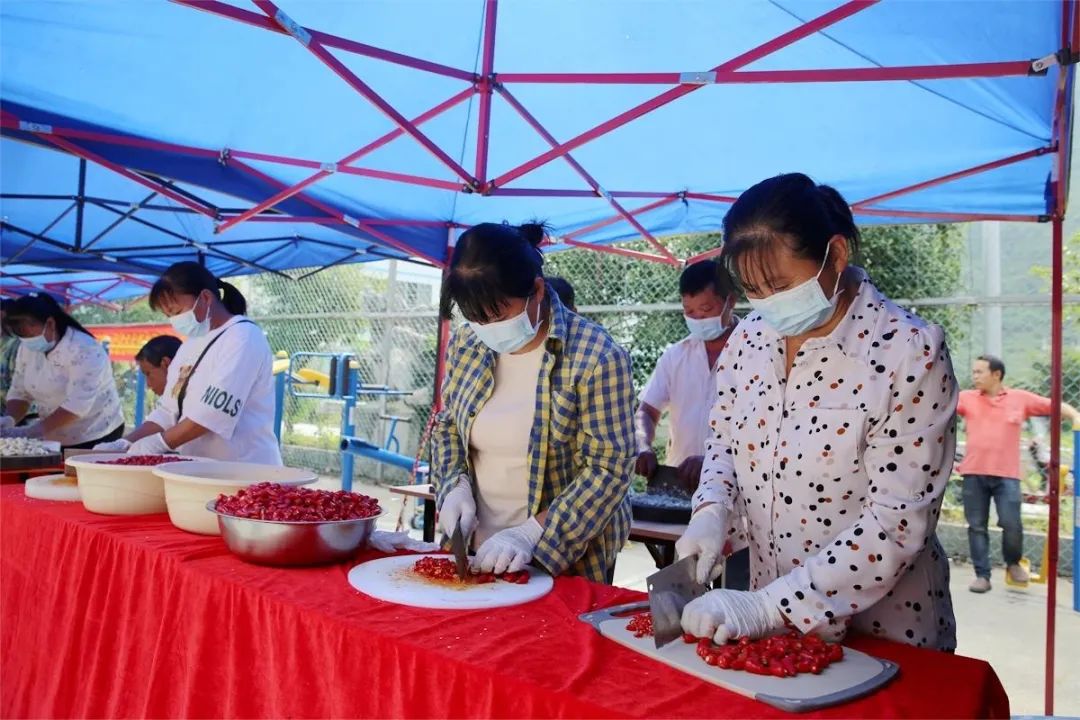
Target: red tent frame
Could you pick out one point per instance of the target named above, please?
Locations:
(487, 83)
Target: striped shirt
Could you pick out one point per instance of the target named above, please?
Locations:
(581, 446)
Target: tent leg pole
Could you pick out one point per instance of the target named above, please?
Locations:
(1053, 469)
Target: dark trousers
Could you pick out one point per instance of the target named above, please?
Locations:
(116, 434)
(736, 571)
(978, 490)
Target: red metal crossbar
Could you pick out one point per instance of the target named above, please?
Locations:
(543, 132)
(985, 167)
(339, 43)
(808, 28)
(316, 48)
(744, 77)
(354, 156)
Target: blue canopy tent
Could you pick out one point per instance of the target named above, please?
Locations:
(259, 138)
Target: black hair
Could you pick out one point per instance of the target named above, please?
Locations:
(995, 363)
(789, 208)
(703, 275)
(157, 349)
(191, 278)
(564, 290)
(40, 307)
(491, 264)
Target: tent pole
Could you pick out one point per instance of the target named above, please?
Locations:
(442, 342)
(484, 87)
(1062, 132)
(80, 201)
(1053, 468)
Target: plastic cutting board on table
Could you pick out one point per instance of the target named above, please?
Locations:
(52, 487)
(391, 579)
(858, 674)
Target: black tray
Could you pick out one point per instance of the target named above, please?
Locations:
(649, 507)
(31, 462)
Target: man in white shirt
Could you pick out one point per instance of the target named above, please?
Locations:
(682, 382)
(684, 375)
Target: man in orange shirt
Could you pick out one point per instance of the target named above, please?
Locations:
(994, 415)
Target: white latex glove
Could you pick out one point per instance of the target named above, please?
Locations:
(508, 550)
(728, 614)
(6, 422)
(149, 445)
(120, 445)
(389, 542)
(705, 537)
(459, 506)
(33, 430)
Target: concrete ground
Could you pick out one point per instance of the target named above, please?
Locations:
(1005, 627)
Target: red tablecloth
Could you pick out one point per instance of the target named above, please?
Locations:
(129, 617)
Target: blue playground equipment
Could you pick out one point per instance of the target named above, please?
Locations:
(345, 387)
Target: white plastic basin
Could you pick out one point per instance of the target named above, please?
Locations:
(190, 486)
(119, 489)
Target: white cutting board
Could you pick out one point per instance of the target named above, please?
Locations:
(391, 579)
(858, 674)
(51, 487)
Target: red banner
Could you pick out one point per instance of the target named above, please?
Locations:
(126, 340)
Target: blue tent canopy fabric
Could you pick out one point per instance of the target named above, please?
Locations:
(237, 109)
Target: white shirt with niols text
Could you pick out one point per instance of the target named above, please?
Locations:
(77, 376)
(231, 394)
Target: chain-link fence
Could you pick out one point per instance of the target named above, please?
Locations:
(985, 284)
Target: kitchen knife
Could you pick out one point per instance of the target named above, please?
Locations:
(461, 559)
(670, 590)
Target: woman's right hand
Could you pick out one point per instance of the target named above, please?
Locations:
(705, 537)
(458, 507)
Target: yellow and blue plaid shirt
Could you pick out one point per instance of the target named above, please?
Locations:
(581, 447)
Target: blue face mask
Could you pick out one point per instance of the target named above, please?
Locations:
(37, 343)
(507, 336)
(187, 325)
(799, 309)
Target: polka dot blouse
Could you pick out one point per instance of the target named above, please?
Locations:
(840, 468)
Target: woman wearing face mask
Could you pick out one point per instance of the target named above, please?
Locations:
(154, 359)
(534, 445)
(218, 400)
(64, 372)
(833, 431)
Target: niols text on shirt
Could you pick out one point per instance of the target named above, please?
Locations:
(37, 343)
(801, 308)
(510, 335)
(187, 325)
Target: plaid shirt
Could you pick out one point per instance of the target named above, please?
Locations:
(581, 448)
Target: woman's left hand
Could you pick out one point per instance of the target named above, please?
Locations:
(33, 430)
(728, 614)
(509, 550)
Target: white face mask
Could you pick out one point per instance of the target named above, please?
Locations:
(799, 309)
(37, 343)
(706, 329)
(187, 325)
(510, 335)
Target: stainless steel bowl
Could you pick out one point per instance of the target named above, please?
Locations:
(277, 542)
